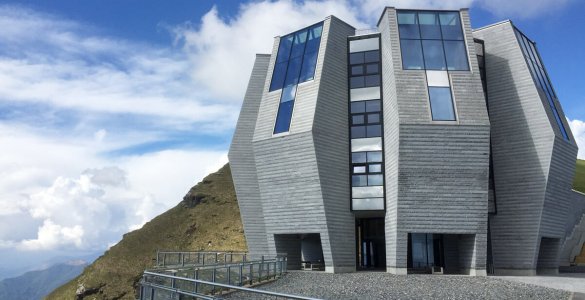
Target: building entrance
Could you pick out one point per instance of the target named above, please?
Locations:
(425, 251)
(370, 244)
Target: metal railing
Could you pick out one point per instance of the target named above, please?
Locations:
(365, 31)
(166, 259)
(177, 291)
(200, 275)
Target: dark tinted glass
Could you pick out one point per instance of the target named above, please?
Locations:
(356, 82)
(357, 70)
(358, 157)
(308, 68)
(298, 47)
(358, 132)
(372, 56)
(372, 80)
(375, 179)
(278, 76)
(429, 25)
(373, 118)
(292, 73)
(284, 116)
(456, 55)
(284, 48)
(372, 106)
(358, 107)
(372, 69)
(434, 56)
(359, 180)
(375, 168)
(314, 39)
(356, 58)
(412, 57)
(408, 25)
(375, 156)
(357, 119)
(374, 130)
(441, 104)
(451, 26)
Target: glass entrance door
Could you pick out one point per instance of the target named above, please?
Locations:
(370, 243)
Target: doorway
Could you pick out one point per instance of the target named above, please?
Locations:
(425, 251)
(370, 244)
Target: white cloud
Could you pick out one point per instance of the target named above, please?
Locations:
(578, 129)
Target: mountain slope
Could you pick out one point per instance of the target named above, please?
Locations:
(208, 213)
(37, 284)
(579, 181)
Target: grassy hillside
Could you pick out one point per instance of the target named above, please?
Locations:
(579, 181)
(208, 213)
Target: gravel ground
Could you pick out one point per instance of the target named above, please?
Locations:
(381, 285)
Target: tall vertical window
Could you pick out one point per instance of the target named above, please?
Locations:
(295, 63)
(432, 41)
(540, 77)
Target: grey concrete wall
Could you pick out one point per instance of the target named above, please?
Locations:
(531, 161)
(442, 167)
(242, 162)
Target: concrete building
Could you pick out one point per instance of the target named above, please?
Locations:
(419, 146)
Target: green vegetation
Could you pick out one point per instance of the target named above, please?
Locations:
(579, 181)
(208, 218)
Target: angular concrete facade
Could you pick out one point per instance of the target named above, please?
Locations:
(297, 185)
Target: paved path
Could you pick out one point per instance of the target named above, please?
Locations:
(572, 282)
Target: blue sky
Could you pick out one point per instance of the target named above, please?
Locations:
(111, 110)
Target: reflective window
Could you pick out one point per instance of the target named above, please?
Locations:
(364, 69)
(357, 119)
(375, 180)
(358, 157)
(540, 77)
(372, 105)
(432, 40)
(295, 63)
(441, 104)
(358, 132)
(367, 173)
(358, 107)
(375, 156)
(359, 180)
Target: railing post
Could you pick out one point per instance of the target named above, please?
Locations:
(173, 281)
(196, 283)
(251, 274)
(216, 259)
(164, 259)
(157, 255)
(204, 258)
(182, 259)
(213, 280)
(241, 283)
(260, 269)
(244, 259)
(225, 258)
(151, 293)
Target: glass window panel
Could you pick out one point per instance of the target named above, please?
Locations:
(366, 144)
(367, 192)
(375, 180)
(372, 106)
(358, 157)
(367, 93)
(429, 25)
(374, 130)
(298, 47)
(372, 56)
(357, 70)
(456, 55)
(358, 107)
(356, 58)
(375, 168)
(375, 156)
(364, 45)
(373, 69)
(292, 73)
(283, 117)
(359, 180)
(441, 104)
(451, 26)
(357, 82)
(412, 57)
(373, 118)
(434, 56)
(278, 76)
(288, 93)
(372, 80)
(367, 204)
(408, 25)
(284, 48)
(314, 38)
(359, 169)
(308, 68)
(358, 132)
(357, 119)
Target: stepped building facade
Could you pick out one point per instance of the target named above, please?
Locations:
(419, 146)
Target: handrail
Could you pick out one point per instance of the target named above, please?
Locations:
(178, 291)
(222, 265)
(234, 287)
